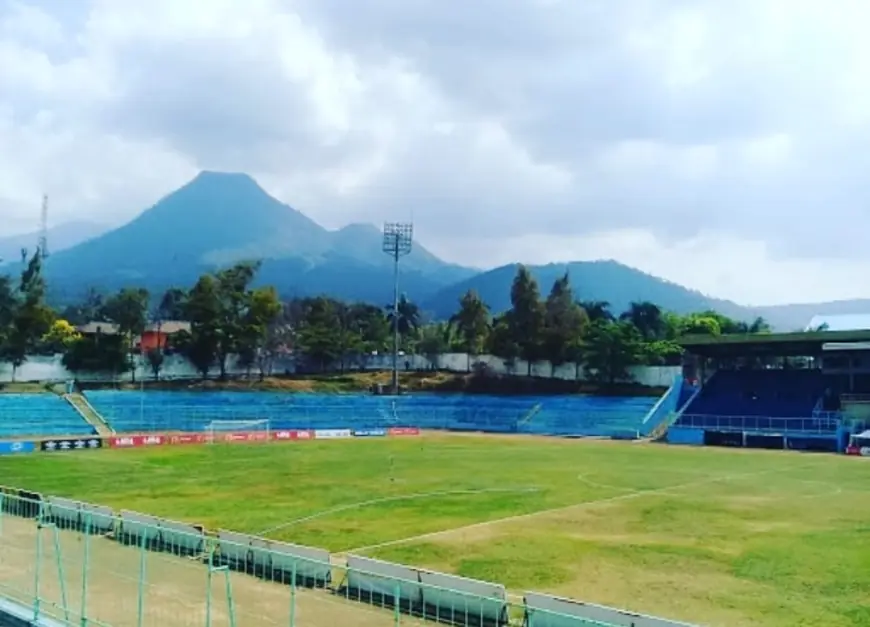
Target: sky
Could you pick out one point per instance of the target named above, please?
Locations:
(721, 145)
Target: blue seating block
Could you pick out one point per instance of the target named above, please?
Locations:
(39, 414)
(760, 400)
(193, 411)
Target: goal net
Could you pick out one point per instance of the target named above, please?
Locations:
(216, 428)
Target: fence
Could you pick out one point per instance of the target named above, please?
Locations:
(82, 564)
(820, 426)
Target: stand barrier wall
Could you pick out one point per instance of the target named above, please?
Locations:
(65, 562)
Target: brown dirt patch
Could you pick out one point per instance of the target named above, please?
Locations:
(175, 592)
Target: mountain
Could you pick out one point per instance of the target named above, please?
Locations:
(60, 237)
(797, 316)
(219, 218)
(609, 281)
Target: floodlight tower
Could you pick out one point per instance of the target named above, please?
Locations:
(398, 237)
(43, 228)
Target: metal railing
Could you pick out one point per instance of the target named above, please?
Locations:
(821, 425)
(195, 417)
(82, 564)
(855, 398)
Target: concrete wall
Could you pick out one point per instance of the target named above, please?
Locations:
(51, 369)
(13, 614)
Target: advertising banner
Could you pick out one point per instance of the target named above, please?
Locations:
(404, 431)
(70, 444)
(369, 433)
(14, 448)
(331, 434)
(187, 438)
(245, 436)
(135, 441)
(291, 434)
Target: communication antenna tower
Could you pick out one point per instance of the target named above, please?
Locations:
(43, 228)
(23, 255)
(398, 237)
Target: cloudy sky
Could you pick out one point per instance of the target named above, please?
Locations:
(720, 144)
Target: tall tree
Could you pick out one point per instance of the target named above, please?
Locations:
(759, 325)
(527, 316)
(648, 319)
(434, 340)
(129, 310)
(564, 324)
(203, 309)
(8, 308)
(90, 309)
(97, 353)
(408, 320)
(319, 337)
(611, 348)
(171, 306)
(262, 308)
(60, 337)
(502, 342)
(233, 300)
(597, 310)
(31, 318)
(371, 328)
(471, 323)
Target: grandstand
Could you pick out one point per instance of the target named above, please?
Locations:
(194, 411)
(39, 414)
(794, 390)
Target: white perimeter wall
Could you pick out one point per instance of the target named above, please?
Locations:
(175, 367)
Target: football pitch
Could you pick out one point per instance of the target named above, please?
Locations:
(714, 536)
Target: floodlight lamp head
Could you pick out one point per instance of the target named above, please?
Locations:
(398, 238)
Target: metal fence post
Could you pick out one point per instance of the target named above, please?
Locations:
(397, 614)
(140, 610)
(85, 566)
(208, 587)
(38, 568)
(293, 597)
(60, 572)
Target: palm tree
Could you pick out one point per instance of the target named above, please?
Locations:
(759, 325)
(597, 310)
(647, 317)
(471, 323)
(408, 320)
(433, 341)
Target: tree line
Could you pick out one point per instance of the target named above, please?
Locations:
(227, 316)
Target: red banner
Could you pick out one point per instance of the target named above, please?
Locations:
(404, 431)
(291, 435)
(188, 438)
(245, 436)
(135, 441)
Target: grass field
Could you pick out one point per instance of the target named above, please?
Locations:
(719, 537)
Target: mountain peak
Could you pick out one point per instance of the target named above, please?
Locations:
(223, 182)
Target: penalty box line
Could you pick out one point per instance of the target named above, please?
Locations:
(566, 508)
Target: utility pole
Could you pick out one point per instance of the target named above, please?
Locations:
(398, 237)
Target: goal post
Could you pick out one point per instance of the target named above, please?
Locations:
(216, 427)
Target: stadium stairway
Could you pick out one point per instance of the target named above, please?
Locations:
(91, 415)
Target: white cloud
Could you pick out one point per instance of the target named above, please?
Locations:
(718, 144)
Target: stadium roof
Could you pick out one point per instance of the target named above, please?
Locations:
(840, 322)
(801, 343)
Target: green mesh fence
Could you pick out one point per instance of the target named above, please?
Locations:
(80, 564)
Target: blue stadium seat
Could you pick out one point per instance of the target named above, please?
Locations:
(39, 414)
(778, 401)
(193, 411)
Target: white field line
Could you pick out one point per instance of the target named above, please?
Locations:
(393, 499)
(585, 504)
